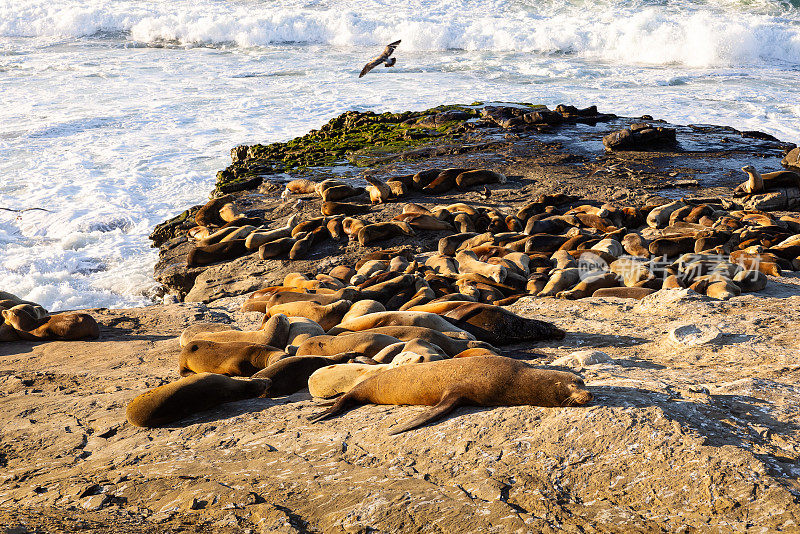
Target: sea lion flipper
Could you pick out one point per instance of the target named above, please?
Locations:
(449, 402)
(338, 407)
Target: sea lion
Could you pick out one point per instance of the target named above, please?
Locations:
(343, 208)
(327, 315)
(361, 343)
(398, 318)
(363, 307)
(227, 250)
(275, 248)
(449, 345)
(232, 358)
(758, 183)
(290, 375)
(301, 329)
(379, 191)
(425, 350)
(385, 230)
(468, 263)
(448, 384)
(342, 272)
(188, 396)
(444, 182)
(208, 215)
(479, 177)
(333, 380)
(421, 221)
(659, 216)
(301, 186)
(561, 280)
(494, 324)
(59, 326)
(587, 286)
(750, 281)
(672, 246)
(259, 237)
(637, 293)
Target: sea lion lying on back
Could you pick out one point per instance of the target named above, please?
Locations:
(477, 381)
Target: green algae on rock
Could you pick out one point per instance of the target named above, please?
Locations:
(351, 133)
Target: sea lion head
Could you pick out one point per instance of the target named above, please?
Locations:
(748, 169)
(578, 394)
(563, 389)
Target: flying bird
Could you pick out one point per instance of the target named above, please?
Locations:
(383, 58)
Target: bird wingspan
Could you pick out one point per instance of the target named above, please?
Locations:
(374, 62)
(389, 50)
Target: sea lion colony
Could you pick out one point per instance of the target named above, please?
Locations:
(401, 317)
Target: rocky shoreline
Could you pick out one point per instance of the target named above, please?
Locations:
(694, 427)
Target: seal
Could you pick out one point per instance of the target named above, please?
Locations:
(188, 396)
(343, 208)
(334, 380)
(60, 326)
(291, 374)
(477, 381)
(560, 280)
(232, 358)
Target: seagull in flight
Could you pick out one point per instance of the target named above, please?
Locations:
(383, 58)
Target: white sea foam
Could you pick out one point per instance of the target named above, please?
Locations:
(115, 117)
(691, 33)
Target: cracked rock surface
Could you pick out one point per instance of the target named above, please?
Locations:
(692, 437)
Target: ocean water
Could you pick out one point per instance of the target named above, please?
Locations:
(116, 114)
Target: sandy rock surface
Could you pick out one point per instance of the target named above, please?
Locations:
(689, 437)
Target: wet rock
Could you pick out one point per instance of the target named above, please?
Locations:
(792, 159)
(640, 136)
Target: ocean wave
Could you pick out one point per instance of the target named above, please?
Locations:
(725, 32)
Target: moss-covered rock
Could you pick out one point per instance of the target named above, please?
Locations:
(349, 133)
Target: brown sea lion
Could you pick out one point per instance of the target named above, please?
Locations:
(448, 384)
(273, 249)
(290, 375)
(759, 183)
(188, 396)
(587, 286)
(397, 318)
(385, 230)
(59, 326)
(449, 345)
(301, 186)
(343, 208)
(232, 358)
(227, 250)
(208, 215)
(479, 177)
(325, 315)
(361, 343)
(637, 293)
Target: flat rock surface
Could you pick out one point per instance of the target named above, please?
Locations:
(700, 438)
